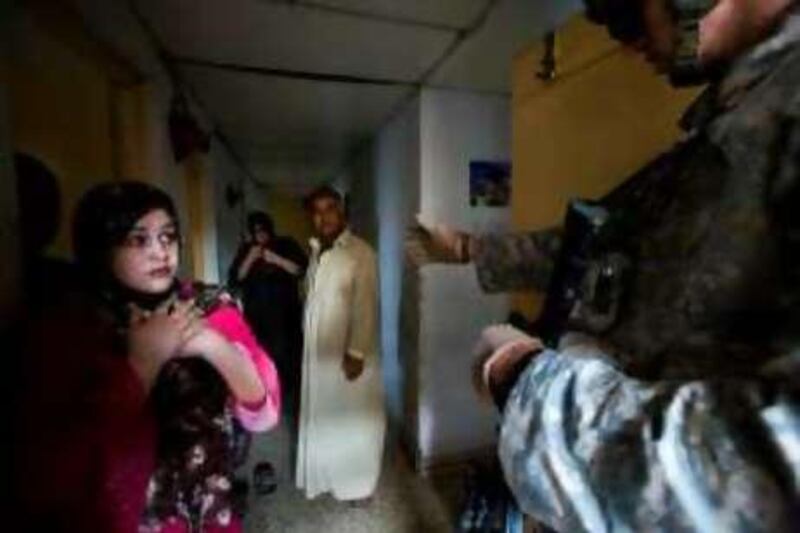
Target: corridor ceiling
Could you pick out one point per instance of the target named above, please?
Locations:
(298, 85)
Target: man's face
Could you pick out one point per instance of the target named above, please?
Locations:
(328, 219)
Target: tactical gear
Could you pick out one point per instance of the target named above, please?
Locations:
(686, 68)
(706, 442)
(587, 284)
(625, 23)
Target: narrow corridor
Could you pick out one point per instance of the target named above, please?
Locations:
(404, 502)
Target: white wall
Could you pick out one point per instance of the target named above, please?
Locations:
(229, 220)
(396, 156)
(419, 163)
(456, 128)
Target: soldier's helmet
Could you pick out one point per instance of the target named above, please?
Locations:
(625, 23)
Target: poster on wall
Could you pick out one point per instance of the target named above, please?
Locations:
(489, 183)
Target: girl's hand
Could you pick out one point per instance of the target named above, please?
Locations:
(238, 371)
(155, 337)
(203, 342)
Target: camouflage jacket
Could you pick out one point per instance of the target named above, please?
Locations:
(715, 238)
(709, 442)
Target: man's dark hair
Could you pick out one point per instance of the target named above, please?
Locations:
(259, 219)
(323, 191)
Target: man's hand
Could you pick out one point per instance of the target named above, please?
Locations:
(353, 367)
(437, 243)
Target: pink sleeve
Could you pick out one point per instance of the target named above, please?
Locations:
(263, 415)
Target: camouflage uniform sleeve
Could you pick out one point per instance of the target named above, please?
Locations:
(516, 261)
(784, 185)
(586, 448)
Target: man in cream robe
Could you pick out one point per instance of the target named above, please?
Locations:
(342, 416)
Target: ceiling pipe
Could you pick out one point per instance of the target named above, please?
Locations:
(292, 74)
(424, 79)
(311, 5)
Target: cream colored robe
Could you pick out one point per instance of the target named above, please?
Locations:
(342, 423)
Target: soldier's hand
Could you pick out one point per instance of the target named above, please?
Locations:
(499, 350)
(436, 243)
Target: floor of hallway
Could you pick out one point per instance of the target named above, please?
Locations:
(404, 501)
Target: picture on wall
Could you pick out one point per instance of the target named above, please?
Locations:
(489, 183)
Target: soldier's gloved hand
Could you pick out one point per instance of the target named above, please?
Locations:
(437, 243)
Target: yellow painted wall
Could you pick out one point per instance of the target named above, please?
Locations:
(72, 109)
(290, 218)
(604, 116)
(60, 114)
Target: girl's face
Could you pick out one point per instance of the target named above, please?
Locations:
(147, 260)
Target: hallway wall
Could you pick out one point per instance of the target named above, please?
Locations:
(383, 194)
(60, 113)
(456, 128)
(229, 220)
(419, 163)
(397, 167)
(290, 218)
(69, 109)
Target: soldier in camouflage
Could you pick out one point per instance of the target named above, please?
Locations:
(677, 410)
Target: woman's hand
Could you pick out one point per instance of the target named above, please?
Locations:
(254, 253)
(156, 337)
(252, 256)
(281, 262)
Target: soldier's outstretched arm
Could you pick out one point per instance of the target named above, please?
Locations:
(515, 261)
(503, 261)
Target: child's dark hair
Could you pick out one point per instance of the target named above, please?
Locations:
(106, 214)
(190, 479)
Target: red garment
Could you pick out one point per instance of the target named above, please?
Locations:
(87, 441)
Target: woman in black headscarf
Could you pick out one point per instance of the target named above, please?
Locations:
(267, 268)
